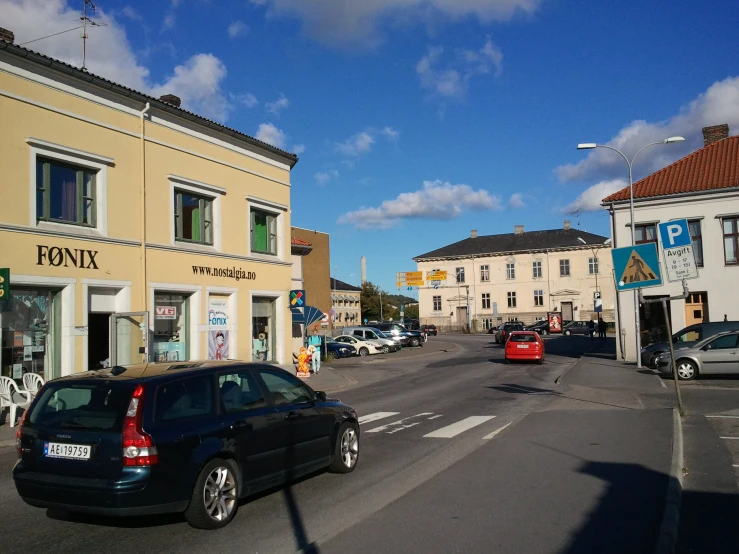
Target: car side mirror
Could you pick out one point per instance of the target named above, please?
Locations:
(320, 396)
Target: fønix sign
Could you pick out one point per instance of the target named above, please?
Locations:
(56, 257)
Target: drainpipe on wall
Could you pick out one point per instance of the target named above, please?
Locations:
(619, 333)
(144, 288)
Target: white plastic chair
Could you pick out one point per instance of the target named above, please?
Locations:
(32, 382)
(10, 396)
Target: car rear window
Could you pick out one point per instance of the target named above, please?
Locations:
(93, 406)
(523, 338)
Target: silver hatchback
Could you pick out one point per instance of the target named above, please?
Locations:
(715, 355)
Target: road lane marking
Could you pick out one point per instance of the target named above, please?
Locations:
(725, 416)
(435, 416)
(375, 416)
(399, 422)
(730, 438)
(492, 435)
(401, 427)
(661, 382)
(459, 427)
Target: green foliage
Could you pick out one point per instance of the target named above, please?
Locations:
(370, 299)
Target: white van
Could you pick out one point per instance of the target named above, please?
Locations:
(370, 333)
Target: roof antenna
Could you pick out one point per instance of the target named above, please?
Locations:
(577, 214)
(85, 21)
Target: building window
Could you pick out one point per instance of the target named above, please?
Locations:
(437, 303)
(171, 327)
(694, 226)
(485, 300)
(65, 193)
(645, 233)
(564, 268)
(263, 232)
(510, 271)
(538, 298)
(593, 266)
(511, 299)
(193, 218)
(536, 270)
(460, 275)
(485, 273)
(731, 239)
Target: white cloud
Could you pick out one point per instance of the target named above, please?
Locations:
(390, 134)
(248, 99)
(516, 201)
(276, 106)
(109, 54)
(436, 200)
(324, 177)
(717, 105)
(452, 78)
(298, 149)
(169, 22)
(356, 145)
(237, 29)
(131, 13)
(356, 23)
(272, 135)
(590, 199)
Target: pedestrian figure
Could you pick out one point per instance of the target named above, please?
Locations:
(639, 272)
(591, 329)
(315, 341)
(602, 328)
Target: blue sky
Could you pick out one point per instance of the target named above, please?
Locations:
(419, 120)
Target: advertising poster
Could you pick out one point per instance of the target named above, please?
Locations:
(169, 351)
(218, 335)
(555, 322)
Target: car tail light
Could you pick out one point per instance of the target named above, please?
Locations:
(19, 433)
(138, 448)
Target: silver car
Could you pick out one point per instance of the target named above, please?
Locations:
(714, 355)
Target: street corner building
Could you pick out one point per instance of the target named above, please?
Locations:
(519, 276)
(133, 230)
(702, 188)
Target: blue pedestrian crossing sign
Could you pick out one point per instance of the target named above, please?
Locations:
(636, 267)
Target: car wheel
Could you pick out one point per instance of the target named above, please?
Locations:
(346, 451)
(385, 349)
(363, 351)
(544, 332)
(567, 332)
(686, 370)
(506, 361)
(540, 361)
(415, 341)
(215, 498)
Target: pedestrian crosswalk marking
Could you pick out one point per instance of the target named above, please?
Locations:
(494, 433)
(459, 427)
(435, 416)
(376, 416)
(401, 427)
(637, 270)
(399, 422)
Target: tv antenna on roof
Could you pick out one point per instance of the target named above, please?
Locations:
(85, 21)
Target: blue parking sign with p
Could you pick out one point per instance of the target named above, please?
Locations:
(674, 234)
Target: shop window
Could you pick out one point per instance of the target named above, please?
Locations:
(263, 232)
(65, 193)
(171, 327)
(193, 217)
(263, 325)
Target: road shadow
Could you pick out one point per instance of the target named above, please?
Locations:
(534, 391)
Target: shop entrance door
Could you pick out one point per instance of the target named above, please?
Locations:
(129, 338)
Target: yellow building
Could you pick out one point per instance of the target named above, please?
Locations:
(134, 229)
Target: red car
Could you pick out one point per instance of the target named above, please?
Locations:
(524, 346)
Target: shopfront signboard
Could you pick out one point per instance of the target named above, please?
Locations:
(165, 312)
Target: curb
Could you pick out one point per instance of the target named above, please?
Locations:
(558, 380)
(667, 538)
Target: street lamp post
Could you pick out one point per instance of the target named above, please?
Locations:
(630, 163)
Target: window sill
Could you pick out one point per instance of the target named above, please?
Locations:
(194, 247)
(69, 229)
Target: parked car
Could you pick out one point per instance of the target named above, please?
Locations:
(541, 327)
(576, 328)
(429, 330)
(715, 355)
(335, 350)
(412, 324)
(192, 437)
(493, 329)
(685, 338)
(524, 346)
(388, 344)
(412, 338)
(363, 346)
(501, 335)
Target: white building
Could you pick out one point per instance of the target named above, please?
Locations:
(703, 188)
(517, 276)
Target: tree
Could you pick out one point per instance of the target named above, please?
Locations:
(370, 299)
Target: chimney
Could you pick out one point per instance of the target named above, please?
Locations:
(567, 224)
(7, 36)
(473, 234)
(715, 133)
(518, 229)
(171, 99)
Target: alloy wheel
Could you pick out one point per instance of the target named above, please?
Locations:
(685, 370)
(219, 493)
(349, 447)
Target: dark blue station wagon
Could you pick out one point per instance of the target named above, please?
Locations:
(190, 437)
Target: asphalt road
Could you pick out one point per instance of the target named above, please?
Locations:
(456, 456)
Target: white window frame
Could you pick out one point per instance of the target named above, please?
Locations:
(433, 303)
(539, 294)
(213, 193)
(534, 269)
(510, 271)
(512, 300)
(486, 301)
(278, 211)
(485, 273)
(88, 160)
(459, 271)
(565, 262)
(593, 265)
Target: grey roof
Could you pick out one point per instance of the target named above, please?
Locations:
(529, 241)
(341, 285)
(88, 77)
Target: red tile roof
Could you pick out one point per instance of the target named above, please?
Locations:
(299, 242)
(713, 167)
